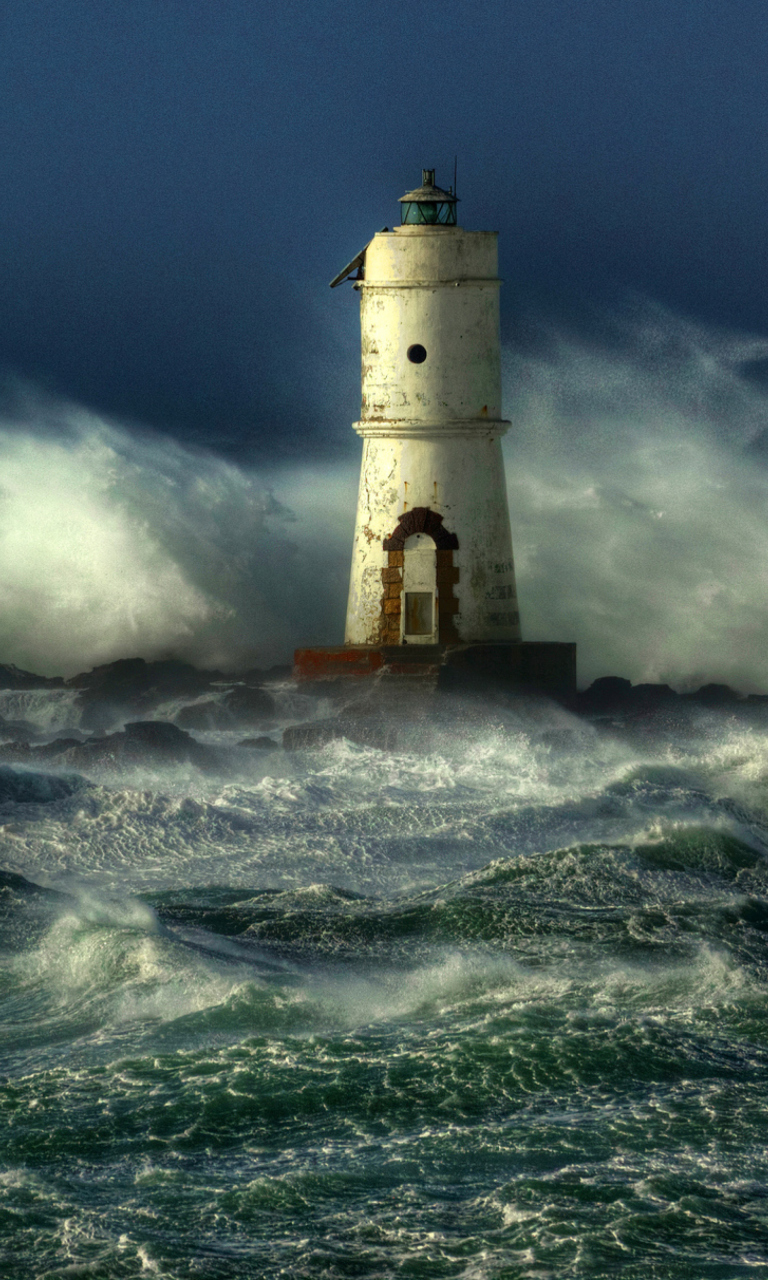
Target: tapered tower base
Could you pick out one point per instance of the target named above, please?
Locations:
(530, 667)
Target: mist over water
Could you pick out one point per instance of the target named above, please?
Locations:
(488, 1003)
(122, 543)
(638, 494)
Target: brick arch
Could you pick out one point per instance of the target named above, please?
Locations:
(419, 520)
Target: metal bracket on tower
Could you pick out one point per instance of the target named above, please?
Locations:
(357, 264)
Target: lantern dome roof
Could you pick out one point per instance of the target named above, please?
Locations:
(428, 193)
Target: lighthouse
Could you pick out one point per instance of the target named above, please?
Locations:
(432, 582)
(432, 554)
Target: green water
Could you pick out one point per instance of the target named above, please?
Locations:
(493, 1014)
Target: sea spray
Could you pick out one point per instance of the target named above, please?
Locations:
(637, 495)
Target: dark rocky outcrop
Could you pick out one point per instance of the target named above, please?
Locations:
(612, 697)
(19, 750)
(370, 713)
(15, 886)
(20, 730)
(21, 786)
(143, 742)
(370, 732)
(249, 705)
(133, 685)
(243, 707)
(14, 678)
(651, 697)
(714, 695)
(51, 750)
(604, 696)
(204, 716)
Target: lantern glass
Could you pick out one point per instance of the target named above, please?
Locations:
(428, 212)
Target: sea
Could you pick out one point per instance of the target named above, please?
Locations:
(488, 1004)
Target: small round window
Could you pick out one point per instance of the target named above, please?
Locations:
(417, 354)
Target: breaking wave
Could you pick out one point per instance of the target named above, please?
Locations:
(490, 1004)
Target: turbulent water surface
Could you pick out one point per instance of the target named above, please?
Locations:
(489, 1005)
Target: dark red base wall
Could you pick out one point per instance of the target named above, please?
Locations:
(537, 666)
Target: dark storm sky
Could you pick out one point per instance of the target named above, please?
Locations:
(180, 181)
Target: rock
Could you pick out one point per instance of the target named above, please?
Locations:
(366, 705)
(714, 695)
(50, 750)
(21, 730)
(205, 716)
(135, 685)
(16, 886)
(280, 672)
(260, 744)
(242, 707)
(15, 751)
(142, 742)
(640, 707)
(605, 695)
(157, 734)
(317, 733)
(655, 703)
(14, 678)
(253, 676)
(249, 705)
(651, 697)
(25, 787)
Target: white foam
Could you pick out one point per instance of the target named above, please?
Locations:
(118, 543)
(638, 498)
(637, 488)
(47, 709)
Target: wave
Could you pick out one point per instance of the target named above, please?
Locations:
(40, 711)
(633, 926)
(505, 990)
(637, 492)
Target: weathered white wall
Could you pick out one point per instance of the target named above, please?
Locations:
(432, 431)
(461, 479)
(436, 286)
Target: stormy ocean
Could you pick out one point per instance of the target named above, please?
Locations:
(487, 1002)
(482, 997)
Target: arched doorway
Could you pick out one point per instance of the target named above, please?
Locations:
(419, 564)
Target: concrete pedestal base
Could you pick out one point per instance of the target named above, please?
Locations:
(530, 667)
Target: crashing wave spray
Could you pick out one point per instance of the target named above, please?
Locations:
(117, 543)
(638, 496)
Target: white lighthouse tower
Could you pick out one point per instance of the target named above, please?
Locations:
(433, 578)
(432, 560)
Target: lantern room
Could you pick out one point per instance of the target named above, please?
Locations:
(428, 205)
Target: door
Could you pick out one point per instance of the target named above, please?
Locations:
(419, 590)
